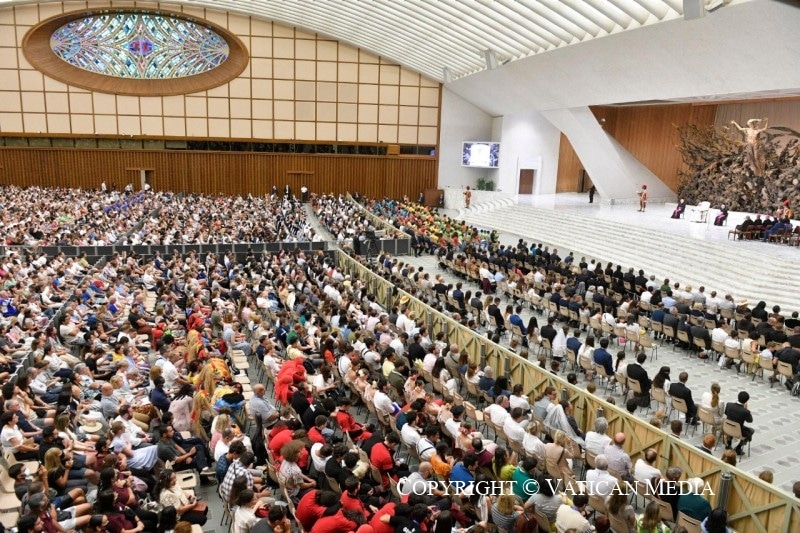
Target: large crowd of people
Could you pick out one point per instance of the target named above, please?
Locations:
(350, 417)
(50, 216)
(206, 219)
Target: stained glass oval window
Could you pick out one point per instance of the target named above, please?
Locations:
(136, 52)
(139, 46)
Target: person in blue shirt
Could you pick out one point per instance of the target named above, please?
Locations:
(463, 473)
(574, 343)
(603, 357)
(516, 320)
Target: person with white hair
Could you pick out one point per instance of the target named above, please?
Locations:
(695, 505)
(599, 481)
(597, 440)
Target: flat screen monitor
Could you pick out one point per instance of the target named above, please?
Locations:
(480, 154)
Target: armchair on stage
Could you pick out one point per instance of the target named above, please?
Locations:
(700, 212)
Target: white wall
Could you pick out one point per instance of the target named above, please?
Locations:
(528, 140)
(461, 121)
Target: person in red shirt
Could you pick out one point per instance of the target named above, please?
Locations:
(350, 499)
(381, 456)
(335, 523)
(313, 505)
(379, 526)
(315, 433)
(349, 424)
(280, 434)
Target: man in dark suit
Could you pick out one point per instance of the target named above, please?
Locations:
(671, 319)
(603, 358)
(637, 371)
(549, 331)
(494, 310)
(680, 390)
(739, 413)
(700, 332)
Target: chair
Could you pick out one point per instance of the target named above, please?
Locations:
(764, 363)
(572, 357)
(691, 525)
(665, 508)
(636, 387)
(700, 212)
(734, 354)
(785, 370)
(683, 336)
(597, 503)
(600, 370)
(544, 522)
(660, 396)
(706, 416)
(669, 333)
(680, 406)
(646, 342)
(734, 431)
(474, 414)
(617, 523)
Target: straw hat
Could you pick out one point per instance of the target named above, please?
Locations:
(742, 301)
(404, 300)
(91, 426)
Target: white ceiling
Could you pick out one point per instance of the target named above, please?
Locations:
(430, 36)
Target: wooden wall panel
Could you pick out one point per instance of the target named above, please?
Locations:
(218, 172)
(648, 132)
(569, 167)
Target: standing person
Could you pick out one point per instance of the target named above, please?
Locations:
(467, 197)
(592, 190)
(642, 193)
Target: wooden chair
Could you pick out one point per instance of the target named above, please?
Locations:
(733, 353)
(544, 522)
(764, 363)
(785, 370)
(706, 416)
(572, 357)
(617, 523)
(669, 333)
(680, 406)
(660, 396)
(734, 431)
(600, 371)
(636, 387)
(691, 525)
(665, 508)
(645, 342)
(597, 503)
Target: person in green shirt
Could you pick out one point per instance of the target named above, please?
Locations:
(523, 477)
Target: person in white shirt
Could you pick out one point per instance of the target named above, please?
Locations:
(531, 443)
(559, 344)
(371, 357)
(384, 404)
(399, 344)
(597, 440)
(429, 361)
(517, 399)
(319, 456)
(498, 411)
(426, 446)
(644, 469)
(600, 482)
(513, 426)
(453, 425)
(410, 433)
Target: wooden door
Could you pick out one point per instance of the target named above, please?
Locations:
(526, 181)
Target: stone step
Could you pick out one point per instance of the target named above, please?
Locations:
(731, 269)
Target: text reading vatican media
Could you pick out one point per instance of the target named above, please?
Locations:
(531, 486)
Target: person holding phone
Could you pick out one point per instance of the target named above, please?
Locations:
(190, 509)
